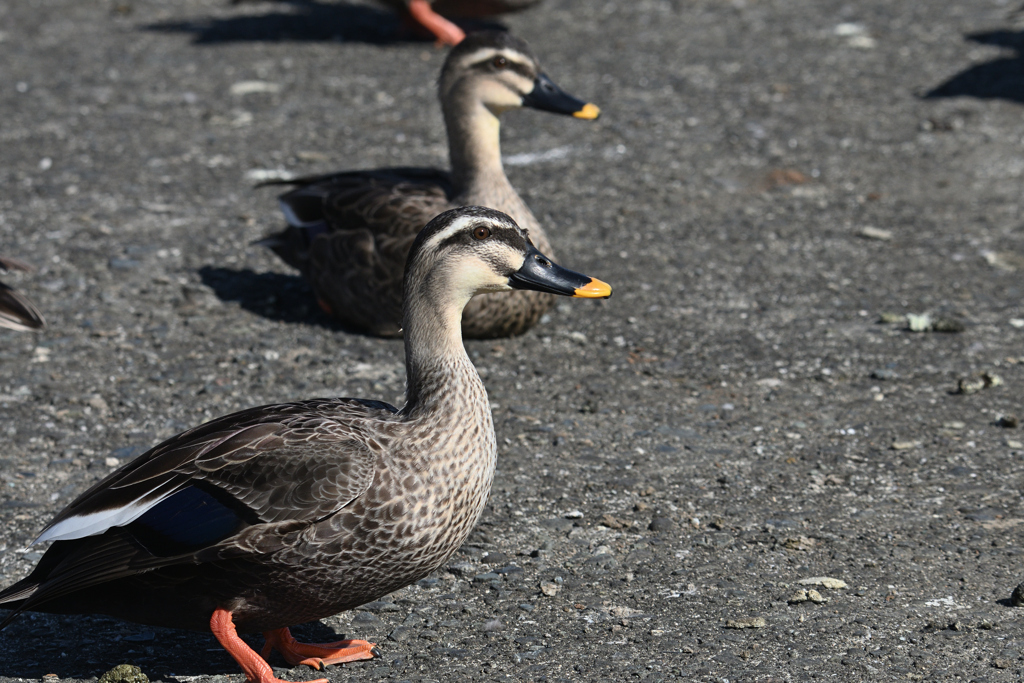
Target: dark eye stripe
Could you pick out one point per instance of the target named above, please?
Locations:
(521, 69)
(509, 236)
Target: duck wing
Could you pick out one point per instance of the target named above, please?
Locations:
(16, 311)
(296, 461)
(265, 470)
(349, 233)
(383, 201)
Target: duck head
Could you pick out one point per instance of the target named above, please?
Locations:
(501, 72)
(472, 249)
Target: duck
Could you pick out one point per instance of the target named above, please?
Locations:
(283, 514)
(428, 14)
(16, 311)
(349, 232)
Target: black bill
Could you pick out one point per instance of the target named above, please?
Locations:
(543, 275)
(547, 96)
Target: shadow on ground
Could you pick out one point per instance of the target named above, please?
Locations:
(275, 296)
(304, 21)
(999, 79)
(87, 646)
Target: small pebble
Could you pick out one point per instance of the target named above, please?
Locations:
(549, 588)
(799, 543)
(613, 522)
(365, 618)
(124, 673)
(872, 233)
(401, 634)
(889, 318)
(904, 445)
(249, 87)
(919, 323)
(662, 524)
(1007, 421)
(380, 606)
(823, 581)
(972, 385)
(991, 379)
(808, 595)
(495, 558)
(749, 622)
(623, 612)
(492, 625)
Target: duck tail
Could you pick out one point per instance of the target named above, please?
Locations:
(17, 312)
(15, 598)
(293, 243)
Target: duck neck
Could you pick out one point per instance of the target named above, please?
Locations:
(474, 146)
(436, 360)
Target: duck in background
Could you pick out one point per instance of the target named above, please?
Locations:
(430, 14)
(16, 311)
(282, 514)
(349, 233)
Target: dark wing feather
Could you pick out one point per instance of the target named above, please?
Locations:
(16, 311)
(70, 566)
(389, 201)
(262, 458)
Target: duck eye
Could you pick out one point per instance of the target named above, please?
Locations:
(499, 62)
(482, 233)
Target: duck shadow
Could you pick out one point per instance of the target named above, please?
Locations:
(275, 296)
(1001, 78)
(87, 646)
(304, 21)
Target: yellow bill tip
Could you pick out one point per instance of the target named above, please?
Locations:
(595, 289)
(589, 112)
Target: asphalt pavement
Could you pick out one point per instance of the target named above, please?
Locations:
(788, 448)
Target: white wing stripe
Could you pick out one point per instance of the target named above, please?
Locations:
(95, 523)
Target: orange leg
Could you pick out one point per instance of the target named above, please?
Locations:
(447, 33)
(255, 667)
(316, 655)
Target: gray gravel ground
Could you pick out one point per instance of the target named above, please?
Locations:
(673, 460)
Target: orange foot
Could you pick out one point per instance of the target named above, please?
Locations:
(255, 667)
(446, 32)
(316, 655)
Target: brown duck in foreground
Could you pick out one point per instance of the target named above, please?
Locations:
(350, 232)
(16, 311)
(287, 513)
